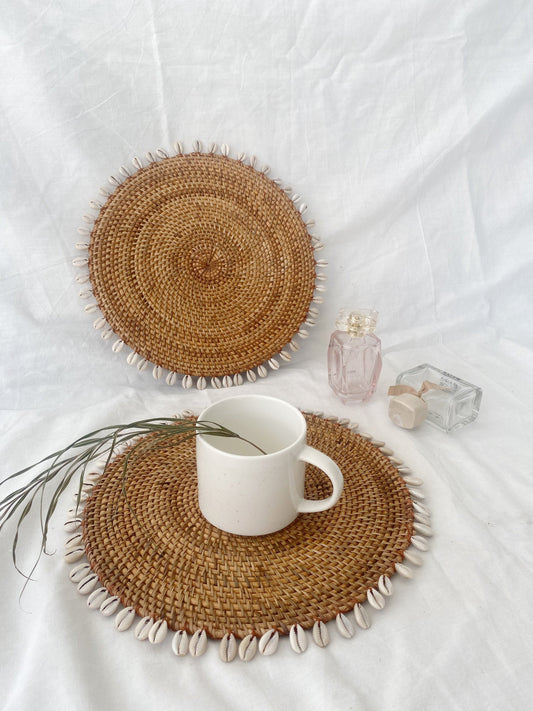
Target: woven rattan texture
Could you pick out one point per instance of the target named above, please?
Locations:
(202, 265)
(158, 553)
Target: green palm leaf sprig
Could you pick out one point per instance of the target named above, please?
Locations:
(58, 469)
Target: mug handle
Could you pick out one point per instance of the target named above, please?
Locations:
(322, 461)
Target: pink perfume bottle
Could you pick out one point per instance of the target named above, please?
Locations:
(354, 355)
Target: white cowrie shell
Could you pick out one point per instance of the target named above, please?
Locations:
(238, 379)
(273, 363)
(420, 518)
(378, 443)
(387, 451)
(397, 462)
(201, 383)
(416, 494)
(171, 378)
(385, 585)
(125, 172)
(142, 365)
(251, 376)
(158, 632)
(248, 648)
(420, 508)
(72, 555)
(187, 382)
(132, 358)
(151, 157)
(285, 356)
(320, 634)
(79, 572)
(198, 643)
(124, 619)
(83, 231)
(216, 383)
(242, 157)
(80, 262)
(361, 616)
(296, 197)
(88, 218)
(137, 163)
(161, 153)
(109, 606)
(345, 626)
(157, 372)
(107, 333)
(143, 628)
(104, 191)
(95, 205)
(178, 147)
(405, 470)
(85, 294)
(227, 650)
(365, 435)
(262, 372)
(420, 543)
(75, 540)
(224, 149)
(298, 638)
(117, 346)
(96, 598)
(252, 161)
(268, 643)
(81, 279)
(197, 146)
(376, 599)
(113, 181)
(403, 570)
(227, 381)
(422, 529)
(87, 584)
(180, 643)
(413, 481)
(294, 346)
(73, 524)
(303, 333)
(302, 208)
(412, 557)
(99, 323)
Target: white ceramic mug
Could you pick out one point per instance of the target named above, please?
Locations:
(248, 493)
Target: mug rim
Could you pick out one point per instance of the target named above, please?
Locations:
(250, 396)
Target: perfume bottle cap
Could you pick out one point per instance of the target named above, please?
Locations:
(357, 322)
(407, 410)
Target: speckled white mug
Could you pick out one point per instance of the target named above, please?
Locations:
(248, 493)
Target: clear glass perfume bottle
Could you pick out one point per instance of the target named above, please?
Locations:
(354, 355)
(453, 404)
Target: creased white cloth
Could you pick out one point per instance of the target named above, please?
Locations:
(408, 128)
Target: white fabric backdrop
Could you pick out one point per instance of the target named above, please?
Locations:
(408, 128)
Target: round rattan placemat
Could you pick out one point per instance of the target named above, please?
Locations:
(202, 265)
(158, 554)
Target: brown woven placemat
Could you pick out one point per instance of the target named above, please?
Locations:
(159, 555)
(202, 265)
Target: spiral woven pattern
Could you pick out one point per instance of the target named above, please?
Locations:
(159, 555)
(202, 265)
